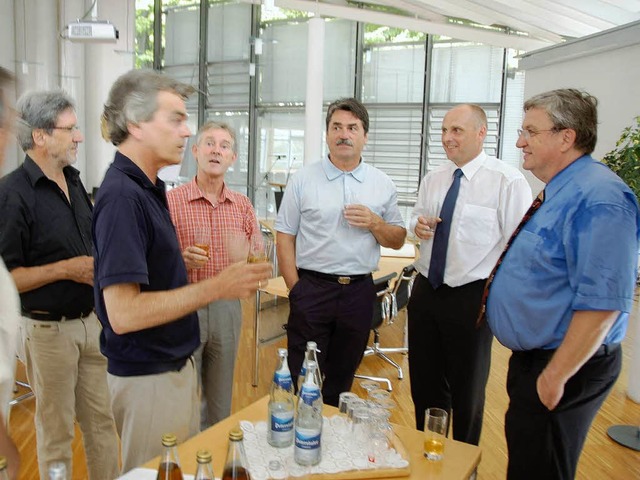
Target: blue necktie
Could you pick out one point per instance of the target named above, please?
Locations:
(443, 229)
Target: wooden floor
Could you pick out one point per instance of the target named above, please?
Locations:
(601, 459)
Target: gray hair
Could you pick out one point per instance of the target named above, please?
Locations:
(134, 99)
(572, 109)
(6, 78)
(211, 125)
(40, 110)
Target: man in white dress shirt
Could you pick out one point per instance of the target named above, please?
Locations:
(449, 356)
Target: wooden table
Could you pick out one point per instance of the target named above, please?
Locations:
(460, 459)
(276, 286)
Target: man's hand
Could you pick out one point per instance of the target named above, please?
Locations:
(550, 390)
(80, 269)
(361, 216)
(241, 280)
(194, 257)
(426, 226)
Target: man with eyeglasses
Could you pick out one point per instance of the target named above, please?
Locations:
(45, 241)
(461, 237)
(561, 296)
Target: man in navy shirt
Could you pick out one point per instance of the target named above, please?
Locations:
(561, 297)
(143, 298)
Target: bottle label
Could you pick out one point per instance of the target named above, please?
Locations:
(309, 393)
(282, 379)
(308, 439)
(282, 421)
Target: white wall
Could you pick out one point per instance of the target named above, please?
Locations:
(607, 65)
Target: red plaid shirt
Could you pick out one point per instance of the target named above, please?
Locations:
(232, 217)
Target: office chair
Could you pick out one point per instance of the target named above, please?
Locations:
(381, 315)
(400, 299)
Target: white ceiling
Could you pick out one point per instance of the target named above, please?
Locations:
(523, 24)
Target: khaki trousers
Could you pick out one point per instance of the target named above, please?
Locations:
(220, 325)
(146, 406)
(68, 375)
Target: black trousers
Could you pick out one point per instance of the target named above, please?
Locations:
(547, 444)
(449, 357)
(338, 318)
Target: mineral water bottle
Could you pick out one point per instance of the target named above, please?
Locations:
(57, 471)
(169, 468)
(204, 471)
(281, 408)
(310, 355)
(236, 467)
(308, 424)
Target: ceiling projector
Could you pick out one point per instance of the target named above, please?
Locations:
(93, 31)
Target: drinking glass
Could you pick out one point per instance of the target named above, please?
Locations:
(343, 400)
(260, 249)
(435, 431)
(202, 238)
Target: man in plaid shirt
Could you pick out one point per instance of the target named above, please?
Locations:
(206, 207)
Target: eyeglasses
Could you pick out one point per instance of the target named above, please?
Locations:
(527, 134)
(73, 129)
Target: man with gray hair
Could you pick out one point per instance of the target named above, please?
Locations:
(563, 289)
(143, 299)
(208, 206)
(45, 241)
(9, 307)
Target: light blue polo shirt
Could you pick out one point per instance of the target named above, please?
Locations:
(312, 210)
(578, 252)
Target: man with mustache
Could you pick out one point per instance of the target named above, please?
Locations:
(335, 215)
(45, 241)
(449, 358)
(207, 205)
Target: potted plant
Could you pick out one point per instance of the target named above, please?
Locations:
(624, 160)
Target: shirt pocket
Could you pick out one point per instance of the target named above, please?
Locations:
(478, 225)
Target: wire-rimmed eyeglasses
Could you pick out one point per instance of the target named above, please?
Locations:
(528, 133)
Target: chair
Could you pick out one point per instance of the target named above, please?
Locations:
(400, 299)
(381, 314)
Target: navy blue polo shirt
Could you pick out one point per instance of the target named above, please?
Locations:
(135, 242)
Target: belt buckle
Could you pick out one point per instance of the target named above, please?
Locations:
(344, 280)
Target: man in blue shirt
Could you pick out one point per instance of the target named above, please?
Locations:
(334, 216)
(143, 299)
(561, 297)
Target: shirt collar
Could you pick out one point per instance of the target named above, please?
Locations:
(563, 176)
(133, 171)
(332, 172)
(195, 193)
(472, 167)
(35, 173)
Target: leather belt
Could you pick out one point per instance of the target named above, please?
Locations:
(55, 317)
(603, 350)
(341, 279)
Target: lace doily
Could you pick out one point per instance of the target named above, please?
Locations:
(340, 453)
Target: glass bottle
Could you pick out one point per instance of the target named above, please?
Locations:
(236, 467)
(308, 424)
(310, 355)
(281, 407)
(4, 473)
(204, 471)
(57, 471)
(169, 468)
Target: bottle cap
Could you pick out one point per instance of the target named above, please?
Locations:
(3, 463)
(282, 352)
(169, 440)
(236, 434)
(203, 456)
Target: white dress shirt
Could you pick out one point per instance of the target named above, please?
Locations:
(492, 200)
